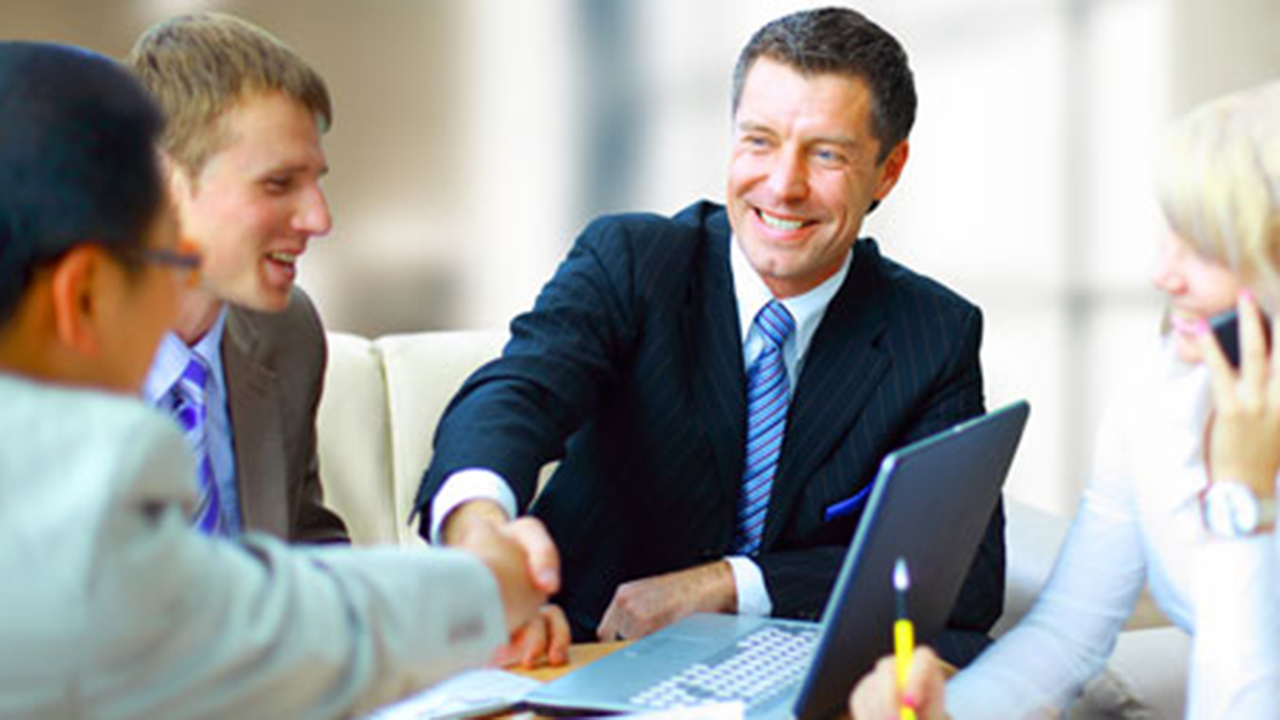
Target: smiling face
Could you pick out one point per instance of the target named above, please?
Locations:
(803, 173)
(257, 202)
(1197, 288)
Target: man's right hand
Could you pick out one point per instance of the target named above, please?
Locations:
(876, 696)
(507, 560)
(526, 564)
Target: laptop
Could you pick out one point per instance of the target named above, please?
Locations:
(930, 504)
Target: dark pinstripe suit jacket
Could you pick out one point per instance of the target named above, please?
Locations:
(629, 370)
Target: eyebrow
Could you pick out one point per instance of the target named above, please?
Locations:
(295, 169)
(842, 140)
(752, 126)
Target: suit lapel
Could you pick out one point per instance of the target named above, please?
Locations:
(716, 377)
(841, 368)
(257, 429)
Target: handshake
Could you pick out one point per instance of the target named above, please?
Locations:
(526, 565)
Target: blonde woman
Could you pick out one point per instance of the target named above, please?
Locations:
(1184, 481)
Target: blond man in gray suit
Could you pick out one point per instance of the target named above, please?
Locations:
(244, 158)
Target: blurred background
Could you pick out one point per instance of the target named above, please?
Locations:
(474, 138)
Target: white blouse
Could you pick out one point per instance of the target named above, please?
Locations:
(1139, 520)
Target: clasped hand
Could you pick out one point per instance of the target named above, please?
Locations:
(526, 565)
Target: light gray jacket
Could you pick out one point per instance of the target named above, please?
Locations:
(112, 607)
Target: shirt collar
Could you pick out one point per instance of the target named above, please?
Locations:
(1185, 403)
(807, 309)
(173, 355)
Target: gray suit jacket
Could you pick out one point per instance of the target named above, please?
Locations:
(274, 365)
(112, 606)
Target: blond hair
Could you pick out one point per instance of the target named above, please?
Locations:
(198, 67)
(1219, 185)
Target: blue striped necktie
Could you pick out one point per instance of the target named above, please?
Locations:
(768, 394)
(187, 397)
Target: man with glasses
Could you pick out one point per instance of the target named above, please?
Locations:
(112, 605)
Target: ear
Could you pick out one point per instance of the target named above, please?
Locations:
(179, 181)
(891, 169)
(76, 284)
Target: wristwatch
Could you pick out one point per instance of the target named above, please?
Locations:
(1231, 510)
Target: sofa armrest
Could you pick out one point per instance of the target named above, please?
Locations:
(1032, 539)
(353, 436)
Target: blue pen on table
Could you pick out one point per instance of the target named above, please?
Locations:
(845, 507)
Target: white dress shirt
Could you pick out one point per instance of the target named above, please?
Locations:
(751, 294)
(1140, 520)
(171, 360)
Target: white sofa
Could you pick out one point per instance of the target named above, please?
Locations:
(382, 400)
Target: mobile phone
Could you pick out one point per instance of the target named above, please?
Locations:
(1226, 328)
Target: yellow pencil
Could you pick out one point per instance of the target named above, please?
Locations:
(904, 633)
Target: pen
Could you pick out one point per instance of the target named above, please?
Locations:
(846, 506)
(904, 641)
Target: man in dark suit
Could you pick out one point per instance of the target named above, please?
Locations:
(720, 386)
(242, 149)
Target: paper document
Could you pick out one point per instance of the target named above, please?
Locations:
(471, 694)
(714, 711)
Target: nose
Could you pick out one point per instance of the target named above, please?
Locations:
(787, 179)
(1167, 273)
(313, 215)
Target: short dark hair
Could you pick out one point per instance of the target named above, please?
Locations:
(841, 41)
(78, 160)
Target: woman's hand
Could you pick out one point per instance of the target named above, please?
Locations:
(1244, 437)
(876, 696)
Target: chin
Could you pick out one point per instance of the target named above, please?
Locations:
(1187, 350)
(264, 301)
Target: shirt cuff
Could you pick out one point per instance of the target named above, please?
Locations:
(753, 596)
(465, 485)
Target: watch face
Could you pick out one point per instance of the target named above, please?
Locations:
(1230, 510)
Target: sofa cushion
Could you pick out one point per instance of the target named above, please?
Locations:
(423, 372)
(382, 400)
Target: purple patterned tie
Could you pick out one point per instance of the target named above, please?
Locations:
(188, 406)
(768, 394)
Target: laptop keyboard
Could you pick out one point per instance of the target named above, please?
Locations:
(760, 665)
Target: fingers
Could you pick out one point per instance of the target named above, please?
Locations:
(1222, 376)
(1253, 343)
(1273, 390)
(559, 636)
(609, 629)
(876, 696)
(544, 559)
(925, 691)
(530, 643)
(544, 638)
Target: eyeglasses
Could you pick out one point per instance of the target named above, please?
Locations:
(177, 259)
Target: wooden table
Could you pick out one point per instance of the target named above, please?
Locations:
(579, 655)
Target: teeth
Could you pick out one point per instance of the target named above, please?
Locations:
(778, 223)
(283, 257)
